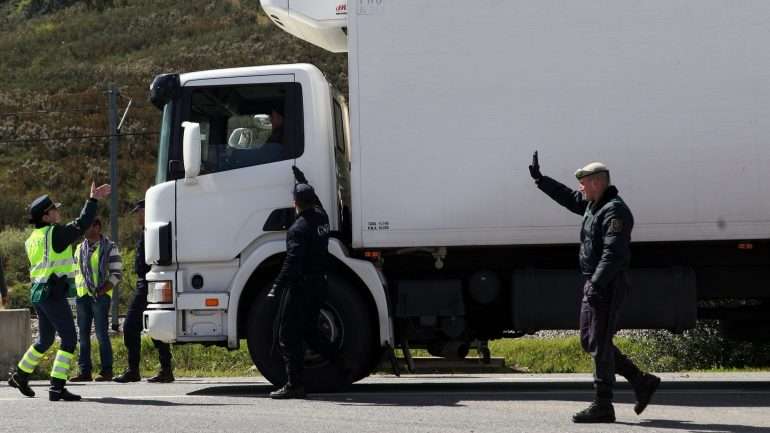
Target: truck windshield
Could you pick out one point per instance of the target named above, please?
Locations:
(164, 143)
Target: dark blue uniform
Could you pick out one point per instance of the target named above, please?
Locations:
(303, 287)
(132, 327)
(605, 255)
(54, 313)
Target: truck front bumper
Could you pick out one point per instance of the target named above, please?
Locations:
(161, 325)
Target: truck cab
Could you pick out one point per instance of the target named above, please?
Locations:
(216, 217)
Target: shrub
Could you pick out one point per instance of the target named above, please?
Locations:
(701, 348)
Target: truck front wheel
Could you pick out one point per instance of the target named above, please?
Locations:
(343, 320)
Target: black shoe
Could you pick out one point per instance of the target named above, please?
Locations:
(647, 387)
(596, 413)
(56, 394)
(128, 376)
(82, 377)
(288, 392)
(104, 376)
(20, 381)
(164, 376)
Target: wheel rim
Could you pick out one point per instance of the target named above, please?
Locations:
(331, 328)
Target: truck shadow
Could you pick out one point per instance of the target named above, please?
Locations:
(707, 394)
(695, 394)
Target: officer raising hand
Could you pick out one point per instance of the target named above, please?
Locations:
(301, 288)
(52, 273)
(604, 260)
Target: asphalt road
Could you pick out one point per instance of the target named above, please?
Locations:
(426, 403)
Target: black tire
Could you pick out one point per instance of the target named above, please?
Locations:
(343, 316)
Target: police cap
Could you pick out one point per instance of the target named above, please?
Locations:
(40, 206)
(592, 168)
(304, 193)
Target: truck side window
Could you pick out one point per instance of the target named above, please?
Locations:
(247, 125)
(343, 172)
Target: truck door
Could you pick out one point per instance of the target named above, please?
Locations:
(251, 132)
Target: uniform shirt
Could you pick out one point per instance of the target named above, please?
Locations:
(65, 235)
(62, 236)
(307, 247)
(605, 236)
(140, 266)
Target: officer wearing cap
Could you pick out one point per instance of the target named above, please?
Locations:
(52, 273)
(301, 287)
(604, 260)
(132, 326)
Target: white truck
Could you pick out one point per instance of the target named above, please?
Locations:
(440, 237)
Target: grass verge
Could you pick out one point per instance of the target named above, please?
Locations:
(551, 355)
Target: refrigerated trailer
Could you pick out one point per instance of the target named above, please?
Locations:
(440, 238)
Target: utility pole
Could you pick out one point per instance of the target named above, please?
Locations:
(112, 94)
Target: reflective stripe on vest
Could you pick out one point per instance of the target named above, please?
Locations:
(44, 261)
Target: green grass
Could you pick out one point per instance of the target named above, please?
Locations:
(556, 355)
(190, 360)
(551, 355)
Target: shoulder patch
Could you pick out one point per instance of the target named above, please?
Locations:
(616, 226)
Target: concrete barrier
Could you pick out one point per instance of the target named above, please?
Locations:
(15, 338)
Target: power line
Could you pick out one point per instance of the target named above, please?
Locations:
(74, 110)
(82, 137)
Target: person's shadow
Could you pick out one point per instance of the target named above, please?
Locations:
(695, 427)
(148, 402)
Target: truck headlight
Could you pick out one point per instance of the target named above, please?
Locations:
(159, 292)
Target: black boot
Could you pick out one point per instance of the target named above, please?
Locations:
(128, 376)
(288, 391)
(57, 391)
(20, 380)
(164, 376)
(600, 411)
(648, 384)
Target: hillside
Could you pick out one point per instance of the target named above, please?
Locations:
(59, 56)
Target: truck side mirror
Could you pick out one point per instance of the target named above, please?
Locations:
(191, 149)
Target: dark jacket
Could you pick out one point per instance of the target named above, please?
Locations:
(3, 287)
(605, 236)
(307, 248)
(140, 266)
(65, 235)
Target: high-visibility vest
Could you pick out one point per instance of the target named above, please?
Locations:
(93, 262)
(45, 262)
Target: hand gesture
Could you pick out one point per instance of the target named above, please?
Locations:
(299, 176)
(534, 169)
(100, 192)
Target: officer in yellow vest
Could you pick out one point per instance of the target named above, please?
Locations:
(52, 272)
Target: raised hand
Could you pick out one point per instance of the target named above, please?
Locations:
(100, 192)
(534, 169)
(299, 176)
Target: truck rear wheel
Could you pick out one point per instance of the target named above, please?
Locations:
(343, 320)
